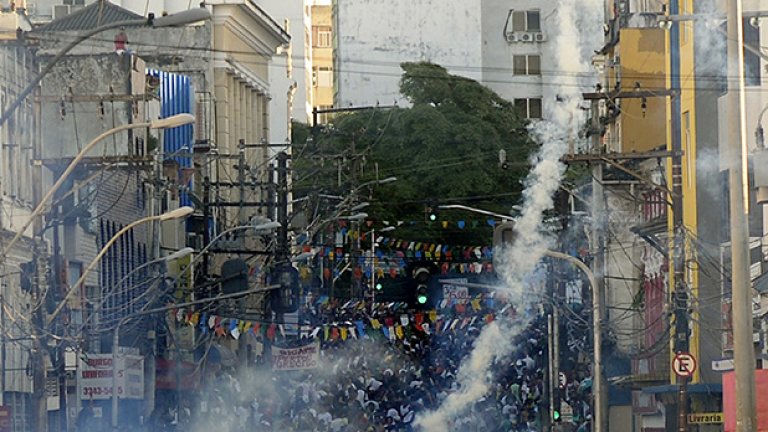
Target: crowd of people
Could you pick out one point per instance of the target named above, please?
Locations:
(379, 383)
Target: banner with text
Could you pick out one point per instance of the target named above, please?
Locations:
(298, 358)
(94, 376)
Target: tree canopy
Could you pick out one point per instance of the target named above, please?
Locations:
(443, 149)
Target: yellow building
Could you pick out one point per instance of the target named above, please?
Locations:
(645, 60)
(320, 81)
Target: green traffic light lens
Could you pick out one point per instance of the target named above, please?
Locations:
(556, 415)
(433, 217)
(379, 286)
(422, 299)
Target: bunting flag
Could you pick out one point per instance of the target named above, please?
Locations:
(360, 328)
(476, 305)
(397, 326)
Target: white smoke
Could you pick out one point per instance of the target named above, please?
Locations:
(570, 55)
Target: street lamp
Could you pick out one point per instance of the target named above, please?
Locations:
(373, 263)
(169, 122)
(476, 210)
(116, 335)
(177, 19)
(173, 214)
(600, 407)
(377, 182)
(181, 253)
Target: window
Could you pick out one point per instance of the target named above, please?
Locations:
(524, 21)
(321, 36)
(529, 108)
(322, 76)
(751, 60)
(685, 27)
(526, 65)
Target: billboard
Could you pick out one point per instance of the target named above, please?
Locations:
(94, 376)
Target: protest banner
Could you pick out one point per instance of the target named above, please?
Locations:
(297, 358)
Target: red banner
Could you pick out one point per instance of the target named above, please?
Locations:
(729, 400)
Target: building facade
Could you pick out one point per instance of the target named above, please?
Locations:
(17, 284)
(503, 45)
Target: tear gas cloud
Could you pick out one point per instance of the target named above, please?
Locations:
(574, 20)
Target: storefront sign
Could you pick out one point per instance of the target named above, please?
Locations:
(94, 377)
(705, 418)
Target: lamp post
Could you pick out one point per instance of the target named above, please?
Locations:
(169, 122)
(173, 214)
(599, 402)
(373, 262)
(181, 253)
(177, 19)
(116, 336)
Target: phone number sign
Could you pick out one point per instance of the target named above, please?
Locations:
(94, 376)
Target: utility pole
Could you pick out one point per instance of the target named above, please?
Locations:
(599, 398)
(551, 362)
(241, 180)
(741, 317)
(681, 342)
(54, 285)
(2, 346)
(39, 399)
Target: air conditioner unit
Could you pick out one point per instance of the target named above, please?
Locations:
(526, 37)
(512, 37)
(60, 11)
(541, 37)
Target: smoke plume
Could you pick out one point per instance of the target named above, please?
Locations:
(571, 64)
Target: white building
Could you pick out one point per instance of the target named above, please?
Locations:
(501, 44)
(19, 140)
(286, 87)
(287, 70)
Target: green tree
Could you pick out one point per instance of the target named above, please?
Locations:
(444, 149)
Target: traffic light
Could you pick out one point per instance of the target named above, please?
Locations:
(556, 414)
(421, 275)
(379, 286)
(430, 212)
(504, 235)
(286, 298)
(422, 295)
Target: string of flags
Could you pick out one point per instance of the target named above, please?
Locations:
(411, 249)
(442, 223)
(395, 327)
